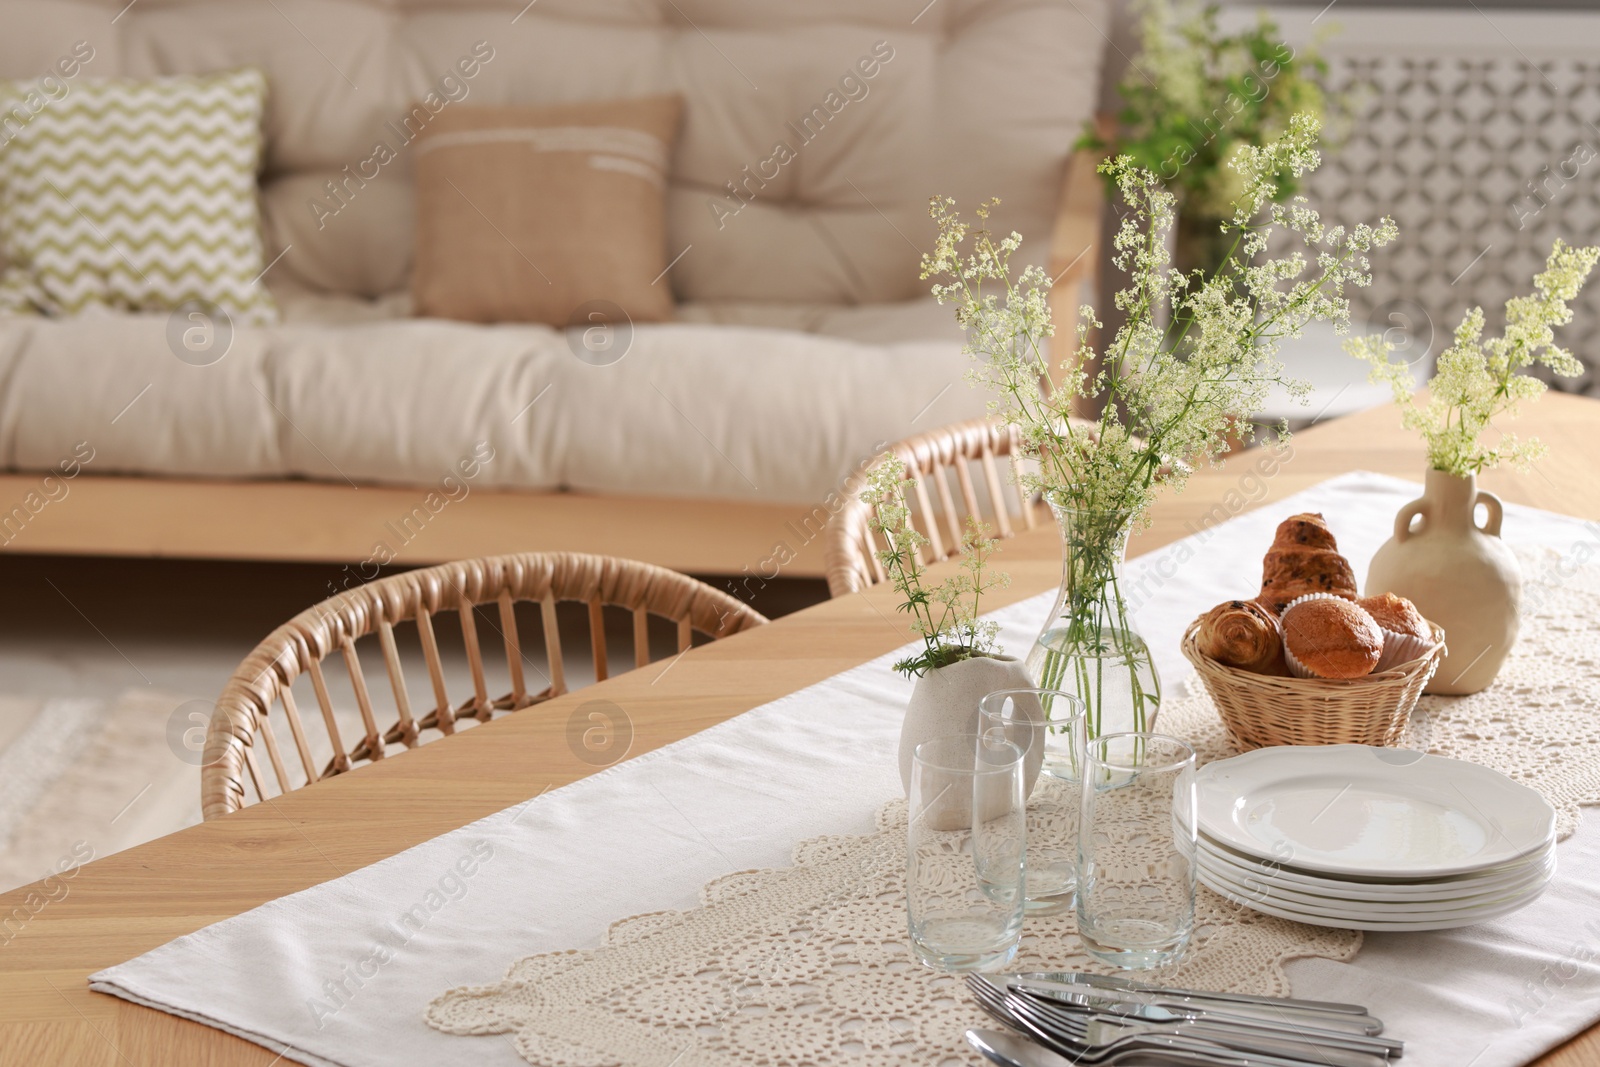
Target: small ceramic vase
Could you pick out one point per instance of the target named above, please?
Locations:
(1460, 575)
(945, 701)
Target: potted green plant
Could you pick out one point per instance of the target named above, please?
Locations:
(1193, 98)
(960, 661)
(1193, 354)
(1459, 574)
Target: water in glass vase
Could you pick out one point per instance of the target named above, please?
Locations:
(1115, 678)
(1088, 645)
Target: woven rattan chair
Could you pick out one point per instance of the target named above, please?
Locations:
(243, 714)
(932, 461)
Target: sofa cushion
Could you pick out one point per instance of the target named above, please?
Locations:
(129, 194)
(538, 214)
(876, 324)
(970, 98)
(403, 401)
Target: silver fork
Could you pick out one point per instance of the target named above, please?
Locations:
(1096, 1028)
(1019, 1050)
(1366, 1051)
(1069, 1036)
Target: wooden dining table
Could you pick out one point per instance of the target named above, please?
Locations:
(122, 905)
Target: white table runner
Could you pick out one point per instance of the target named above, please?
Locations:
(341, 973)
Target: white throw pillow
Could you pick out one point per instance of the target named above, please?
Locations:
(137, 195)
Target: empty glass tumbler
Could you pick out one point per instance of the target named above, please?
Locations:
(1136, 854)
(965, 849)
(1044, 723)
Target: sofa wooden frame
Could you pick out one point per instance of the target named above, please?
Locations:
(304, 521)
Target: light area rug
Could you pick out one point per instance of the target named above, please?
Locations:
(85, 777)
(98, 767)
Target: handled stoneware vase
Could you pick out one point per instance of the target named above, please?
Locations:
(1460, 575)
(945, 701)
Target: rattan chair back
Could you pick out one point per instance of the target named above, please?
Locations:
(242, 721)
(954, 472)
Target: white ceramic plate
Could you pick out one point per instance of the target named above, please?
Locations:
(1365, 889)
(1418, 907)
(1269, 907)
(1278, 880)
(1378, 812)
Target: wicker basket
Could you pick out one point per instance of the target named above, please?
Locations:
(1261, 710)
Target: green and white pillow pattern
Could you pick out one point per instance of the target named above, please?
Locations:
(137, 195)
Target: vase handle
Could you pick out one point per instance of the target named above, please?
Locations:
(1402, 520)
(1496, 511)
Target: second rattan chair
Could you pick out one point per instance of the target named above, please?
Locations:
(933, 460)
(243, 714)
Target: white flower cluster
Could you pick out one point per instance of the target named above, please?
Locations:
(1196, 356)
(1476, 380)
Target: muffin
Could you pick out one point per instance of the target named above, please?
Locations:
(1406, 634)
(1327, 636)
(1243, 634)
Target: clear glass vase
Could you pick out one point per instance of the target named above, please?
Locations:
(1089, 645)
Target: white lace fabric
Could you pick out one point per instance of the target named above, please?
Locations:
(810, 964)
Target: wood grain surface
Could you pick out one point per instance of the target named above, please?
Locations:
(331, 522)
(125, 904)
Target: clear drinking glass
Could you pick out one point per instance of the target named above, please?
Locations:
(1047, 725)
(1136, 851)
(965, 849)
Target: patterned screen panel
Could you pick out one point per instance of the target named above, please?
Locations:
(1483, 161)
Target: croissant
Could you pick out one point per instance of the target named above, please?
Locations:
(1304, 558)
(1243, 634)
(1307, 529)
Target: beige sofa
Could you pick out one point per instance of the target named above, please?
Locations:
(803, 340)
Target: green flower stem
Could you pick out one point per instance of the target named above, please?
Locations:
(1095, 626)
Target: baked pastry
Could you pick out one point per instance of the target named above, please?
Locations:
(1329, 637)
(1406, 634)
(1308, 530)
(1304, 559)
(1397, 615)
(1243, 634)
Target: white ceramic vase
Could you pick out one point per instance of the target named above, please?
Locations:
(1460, 575)
(945, 701)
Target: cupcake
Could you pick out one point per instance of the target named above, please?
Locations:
(1406, 634)
(1327, 636)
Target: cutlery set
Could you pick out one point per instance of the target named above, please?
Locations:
(1083, 1019)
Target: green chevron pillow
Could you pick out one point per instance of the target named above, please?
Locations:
(138, 195)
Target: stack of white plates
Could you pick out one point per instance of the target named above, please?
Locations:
(1371, 838)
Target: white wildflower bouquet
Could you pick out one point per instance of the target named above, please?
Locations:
(1194, 360)
(1477, 380)
(945, 616)
(1197, 354)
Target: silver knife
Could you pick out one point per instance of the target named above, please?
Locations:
(1126, 985)
(1281, 1010)
(1136, 1006)
(1282, 1046)
(1017, 1050)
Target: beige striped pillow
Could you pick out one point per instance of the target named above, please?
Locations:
(529, 214)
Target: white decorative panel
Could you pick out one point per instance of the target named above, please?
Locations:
(1484, 155)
